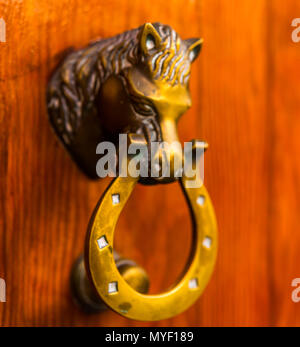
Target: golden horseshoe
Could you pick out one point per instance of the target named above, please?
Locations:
(110, 284)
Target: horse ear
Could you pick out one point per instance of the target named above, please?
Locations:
(194, 47)
(149, 38)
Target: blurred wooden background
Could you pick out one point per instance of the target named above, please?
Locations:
(246, 104)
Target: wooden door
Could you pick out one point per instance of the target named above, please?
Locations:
(245, 90)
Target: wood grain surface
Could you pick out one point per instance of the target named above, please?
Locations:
(246, 104)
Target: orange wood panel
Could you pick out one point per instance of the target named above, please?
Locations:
(284, 120)
(245, 104)
(232, 101)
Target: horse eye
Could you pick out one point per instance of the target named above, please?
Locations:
(144, 109)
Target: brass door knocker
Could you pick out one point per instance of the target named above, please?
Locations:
(135, 83)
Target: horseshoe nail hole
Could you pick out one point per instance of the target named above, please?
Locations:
(112, 287)
(207, 242)
(201, 200)
(102, 242)
(193, 283)
(115, 199)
